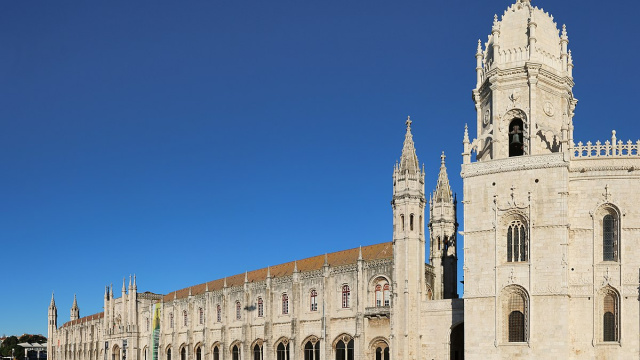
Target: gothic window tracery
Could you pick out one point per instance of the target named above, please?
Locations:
(260, 307)
(346, 294)
(201, 315)
(184, 317)
(285, 304)
(312, 349)
(282, 350)
(313, 300)
(517, 242)
(235, 352)
(344, 348)
(257, 352)
(218, 313)
(238, 310)
(609, 238)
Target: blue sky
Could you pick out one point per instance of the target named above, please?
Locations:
(186, 141)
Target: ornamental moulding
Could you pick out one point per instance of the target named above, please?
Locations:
(479, 168)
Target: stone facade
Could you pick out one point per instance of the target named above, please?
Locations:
(550, 268)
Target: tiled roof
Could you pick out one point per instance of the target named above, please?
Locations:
(84, 319)
(345, 257)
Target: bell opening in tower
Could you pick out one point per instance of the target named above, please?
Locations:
(516, 147)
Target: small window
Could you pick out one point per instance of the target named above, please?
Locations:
(260, 307)
(216, 353)
(402, 221)
(609, 238)
(218, 313)
(411, 222)
(346, 294)
(257, 352)
(517, 242)
(235, 353)
(378, 295)
(238, 310)
(199, 353)
(314, 300)
(285, 304)
(610, 317)
(282, 351)
(184, 317)
(169, 354)
(171, 320)
(183, 354)
(147, 321)
(201, 315)
(387, 295)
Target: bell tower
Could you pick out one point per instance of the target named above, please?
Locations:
(523, 95)
(443, 227)
(408, 205)
(52, 326)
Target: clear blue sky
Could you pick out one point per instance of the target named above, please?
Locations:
(185, 141)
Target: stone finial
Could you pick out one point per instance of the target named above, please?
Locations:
(495, 20)
(111, 291)
(225, 282)
(466, 134)
(75, 302)
(189, 290)
(479, 49)
(295, 266)
(564, 31)
(443, 189)
(326, 259)
(206, 287)
(124, 282)
(409, 160)
(53, 301)
(130, 283)
(135, 284)
(360, 253)
(246, 276)
(268, 272)
(175, 295)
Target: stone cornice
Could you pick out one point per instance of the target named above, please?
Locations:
(513, 163)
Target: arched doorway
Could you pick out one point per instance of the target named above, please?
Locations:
(115, 353)
(456, 342)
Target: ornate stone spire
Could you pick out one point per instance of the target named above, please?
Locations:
(443, 190)
(409, 160)
(53, 302)
(75, 302)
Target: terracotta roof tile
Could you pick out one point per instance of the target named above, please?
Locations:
(84, 319)
(345, 257)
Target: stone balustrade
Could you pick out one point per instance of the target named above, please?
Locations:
(613, 148)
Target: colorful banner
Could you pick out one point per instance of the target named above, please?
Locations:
(155, 331)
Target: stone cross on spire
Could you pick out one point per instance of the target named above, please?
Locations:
(443, 189)
(409, 160)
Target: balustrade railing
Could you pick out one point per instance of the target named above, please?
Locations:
(613, 148)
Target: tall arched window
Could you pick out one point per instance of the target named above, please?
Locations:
(169, 354)
(235, 352)
(402, 221)
(411, 222)
(386, 295)
(201, 315)
(610, 316)
(517, 242)
(216, 353)
(313, 297)
(282, 351)
(346, 294)
(171, 320)
(312, 349)
(516, 136)
(199, 353)
(609, 238)
(183, 353)
(238, 310)
(344, 349)
(219, 313)
(184, 317)
(257, 352)
(516, 321)
(260, 307)
(285, 304)
(382, 353)
(378, 295)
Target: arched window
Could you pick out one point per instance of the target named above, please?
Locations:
(184, 317)
(517, 242)
(260, 307)
(411, 222)
(382, 353)
(235, 352)
(257, 352)
(386, 295)
(610, 317)
(312, 349)
(216, 353)
(516, 136)
(439, 243)
(609, 238)
(282, 351)
(402, 221)
(218, 313)
(201, 315)
(378, 295)
(171, 320)
(346, 294)
(285, 304)
(238, 310)
(183, 353)
(199, 353)
(344, 349)
(169, 354)
(314, 300)
(516, 321)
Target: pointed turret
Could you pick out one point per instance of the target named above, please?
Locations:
(443, 226)
(409, 160)
(75, 310)
(52, 304)
(52, 325)
(443, 190)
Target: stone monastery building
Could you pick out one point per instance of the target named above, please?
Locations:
(551, 270)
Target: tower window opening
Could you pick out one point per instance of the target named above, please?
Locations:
(411, 222)
(516, 145)
(402, 220)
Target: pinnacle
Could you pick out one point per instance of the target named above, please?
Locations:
(443, 190)
(409, 160)
(53, 302)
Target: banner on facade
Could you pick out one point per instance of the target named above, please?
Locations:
(155, 331)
